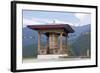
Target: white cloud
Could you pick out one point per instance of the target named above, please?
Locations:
(84, 19)
(48, 21)
(30, 22)
(40, 21)
(81, 16)
(62, 22)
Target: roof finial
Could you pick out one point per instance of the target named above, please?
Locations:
(53, 21)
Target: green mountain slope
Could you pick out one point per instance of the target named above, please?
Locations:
(81, 45)
(30, 51)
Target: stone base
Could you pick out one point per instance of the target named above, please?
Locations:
(51, 56)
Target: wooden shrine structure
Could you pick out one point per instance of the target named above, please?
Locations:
(52, 32)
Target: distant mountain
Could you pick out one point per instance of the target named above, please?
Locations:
(82, 44)
(31, 36)
(30, 41)
(78, 31)
(78, 40)
(30, 51)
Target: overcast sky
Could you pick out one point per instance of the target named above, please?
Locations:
(47, 17)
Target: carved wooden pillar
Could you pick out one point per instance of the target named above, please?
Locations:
(39, 44)
(47, 43)
(61, 42)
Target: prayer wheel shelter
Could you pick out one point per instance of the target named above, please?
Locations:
(53, 32)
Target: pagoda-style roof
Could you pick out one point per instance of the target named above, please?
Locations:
(65, 27)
